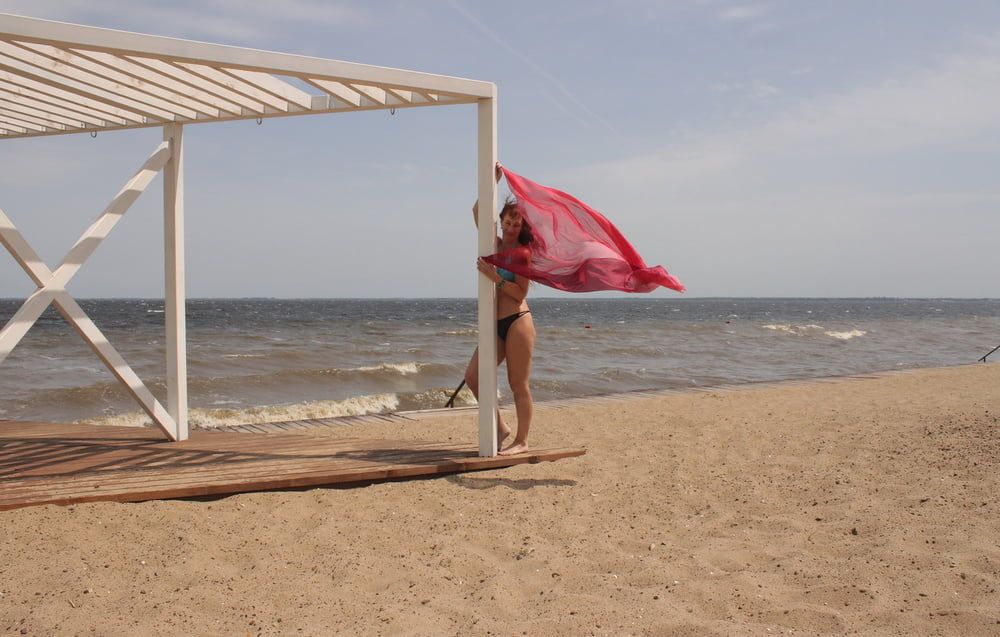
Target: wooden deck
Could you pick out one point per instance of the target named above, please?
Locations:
(46, 463)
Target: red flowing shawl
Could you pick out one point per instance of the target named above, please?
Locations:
(575, 248)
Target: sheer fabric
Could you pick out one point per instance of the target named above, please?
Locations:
(575, 248)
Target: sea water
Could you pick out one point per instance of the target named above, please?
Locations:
(258, 360)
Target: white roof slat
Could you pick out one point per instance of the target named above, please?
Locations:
(58, 78)
(237, 85)
(20, 96)
(425, 96)
(373, 94)
(83, 90)
(124, 43)
(400, 94)
(19, 113)
(19, 109)
(150, 105)
(143, 87)
(147, 74)
(345, 94)
(274, 86)
(118, 115)
(253, 107)
(8, 118)
(49, 104)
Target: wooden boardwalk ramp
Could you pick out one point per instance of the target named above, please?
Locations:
(46, 463)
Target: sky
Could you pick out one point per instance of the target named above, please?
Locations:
(773, 149)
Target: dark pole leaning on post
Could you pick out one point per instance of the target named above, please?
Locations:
(983, 359)
(451, 401)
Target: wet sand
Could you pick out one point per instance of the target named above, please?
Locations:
(861, 506)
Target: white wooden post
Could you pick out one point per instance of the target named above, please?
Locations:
(52, 288)
(173, 266)
(487, 291)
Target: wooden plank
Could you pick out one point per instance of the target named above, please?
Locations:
(139, 88)
(126, 490)
(144, 491)
(46, 463)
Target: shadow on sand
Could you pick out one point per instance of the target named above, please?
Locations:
(491, 483)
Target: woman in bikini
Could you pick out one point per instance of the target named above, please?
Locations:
(515, 329)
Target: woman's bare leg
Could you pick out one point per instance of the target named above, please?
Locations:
(472, 380)
(519, 345)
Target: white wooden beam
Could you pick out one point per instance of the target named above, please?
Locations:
(48, 70)
(279, 88)
(45, 105)
(19, 324)
(123, 43)
(400, 94)
(51, 282)
(346, 95)
(235, 103)
(112, 214)
(52, 90)
(36, 116)
(143, 89)
(322, 104)
(174, 295)
(373, 94)
(487, 237)
(425, 96)
(11, 118)
(52, 289)
(148, 76)
(236, 85)
(83, 326)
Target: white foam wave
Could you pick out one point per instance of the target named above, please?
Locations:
(399, 368)
(846, 336)
(209, 418)
(792, 329)
(243, 355)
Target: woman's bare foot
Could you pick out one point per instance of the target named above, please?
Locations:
(514, 449)
(502, 432)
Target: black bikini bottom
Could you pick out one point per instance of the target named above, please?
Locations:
(503, 325)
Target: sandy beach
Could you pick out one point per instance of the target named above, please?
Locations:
(846, 506)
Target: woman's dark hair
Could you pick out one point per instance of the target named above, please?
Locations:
(524, 237)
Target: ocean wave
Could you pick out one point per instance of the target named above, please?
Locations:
(472, 331)
(209, 418)
(370, 378)
(792, 329)
(846, 336)
(399, 368)
(212, 417)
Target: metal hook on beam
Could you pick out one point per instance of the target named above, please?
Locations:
(260, 120)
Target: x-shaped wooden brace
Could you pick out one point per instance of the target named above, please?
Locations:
(52, 288)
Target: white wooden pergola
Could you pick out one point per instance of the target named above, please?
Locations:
(58, 78)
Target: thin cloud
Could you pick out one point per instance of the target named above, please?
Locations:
(575, 102)
(742, 13)
(952, 102)
(758, 89)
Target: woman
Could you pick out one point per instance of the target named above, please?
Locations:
(515, 329)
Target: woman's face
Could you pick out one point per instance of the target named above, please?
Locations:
(511, 224)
